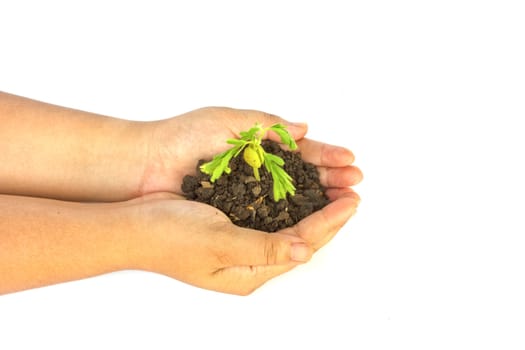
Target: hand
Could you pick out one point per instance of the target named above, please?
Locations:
(176, 144)
(187, 240)
(197, 244)
(99, 158)
(48, 241)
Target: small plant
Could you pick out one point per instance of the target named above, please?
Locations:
(255, 156)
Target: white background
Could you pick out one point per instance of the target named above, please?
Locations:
(430, 96)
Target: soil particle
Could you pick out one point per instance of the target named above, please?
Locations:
(249, 203)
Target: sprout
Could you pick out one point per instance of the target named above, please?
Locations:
(255, 156)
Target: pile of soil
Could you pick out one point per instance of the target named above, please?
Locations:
(250, 203)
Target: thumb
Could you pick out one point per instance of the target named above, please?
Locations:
(247, 247)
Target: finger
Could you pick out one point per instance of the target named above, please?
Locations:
(323, 154)
(336, 193)
(320, 227)
(340, 177)
(246, 247)
(253, 257)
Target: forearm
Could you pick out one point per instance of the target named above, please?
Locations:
(56, 152)
(44, 242)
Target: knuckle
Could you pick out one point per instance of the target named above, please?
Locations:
(272, 250)
(223, 259)
(219, 247)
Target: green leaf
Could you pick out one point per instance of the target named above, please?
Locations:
(239, 145)
(285, 136)
(250, 134)
(219, 164)
(235, 142)
(273, 158)
(282, 181)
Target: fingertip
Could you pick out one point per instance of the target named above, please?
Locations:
(340, 177)
(343, 208)
(301, 252)
(357, 174)
(323, 154)
(320, 227)
(341, 155)
(335, 156)
(354, 197)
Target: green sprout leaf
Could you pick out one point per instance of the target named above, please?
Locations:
(219, 164)
(282, 182)
(255, 156)
(251, 134)
(286, 138)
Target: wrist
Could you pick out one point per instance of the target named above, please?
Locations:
(125, 233)
(161, 160)
(149, 223)
(118, 161)
(128, 159)
(139, 245)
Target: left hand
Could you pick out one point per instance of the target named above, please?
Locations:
(176, 144)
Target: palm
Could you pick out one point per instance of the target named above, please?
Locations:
(178, 143)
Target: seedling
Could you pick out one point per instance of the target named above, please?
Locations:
(255, 156)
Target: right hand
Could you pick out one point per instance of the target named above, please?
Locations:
(197, 244)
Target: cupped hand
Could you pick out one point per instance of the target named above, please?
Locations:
(244, 259)
(197, 244)
(175, 145)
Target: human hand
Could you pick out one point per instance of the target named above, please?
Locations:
(176, 144)
(48, 241)
(197, 244)
(99, 158)
(147, 161)
(204, 133)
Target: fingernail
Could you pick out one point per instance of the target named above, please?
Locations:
(301, 252)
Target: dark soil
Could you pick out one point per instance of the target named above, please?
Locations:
(249, 203)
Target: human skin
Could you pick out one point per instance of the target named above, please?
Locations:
(62, 153)
(45, 242)
(70, 156)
